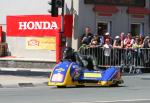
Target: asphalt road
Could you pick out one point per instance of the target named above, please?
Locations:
(136, 89)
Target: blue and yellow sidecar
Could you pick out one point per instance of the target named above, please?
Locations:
(63, 75)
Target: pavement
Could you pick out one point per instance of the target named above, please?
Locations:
(9, 81)
(23, 77)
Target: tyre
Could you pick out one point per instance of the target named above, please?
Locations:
(61, 86)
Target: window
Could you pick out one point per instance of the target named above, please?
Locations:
(137, 28)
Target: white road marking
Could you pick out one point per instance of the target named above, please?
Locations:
(113, 101)
(25, 69)
(8, 69)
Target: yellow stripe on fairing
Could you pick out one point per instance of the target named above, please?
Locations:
(92, 75)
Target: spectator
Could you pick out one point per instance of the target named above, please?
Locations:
(107, 36)
(137, 53)
(87, 36)
(122, 37)
(141, 39)
(94, 41)
(101, 40)
(136, 43)
(107, 51)
(117, 42)
(146, 42)
(128, 41)
(146, 53)
(117, 51)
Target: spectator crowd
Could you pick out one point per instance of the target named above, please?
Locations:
(119, 41)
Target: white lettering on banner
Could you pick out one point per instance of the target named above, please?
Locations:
(22, 25)
(37, 25)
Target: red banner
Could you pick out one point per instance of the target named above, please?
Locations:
(33, 25)
(38, 25)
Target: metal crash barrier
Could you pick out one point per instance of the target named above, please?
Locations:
(130, 60)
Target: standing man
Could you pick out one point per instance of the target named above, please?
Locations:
(87, 36)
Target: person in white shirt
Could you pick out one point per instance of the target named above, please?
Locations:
(107, 51)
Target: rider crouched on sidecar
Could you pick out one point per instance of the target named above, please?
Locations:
(84, 62)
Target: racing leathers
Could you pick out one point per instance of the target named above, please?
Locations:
(84, 61)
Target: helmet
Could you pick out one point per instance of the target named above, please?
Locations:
(68, 53)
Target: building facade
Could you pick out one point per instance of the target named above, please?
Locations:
(113, 16)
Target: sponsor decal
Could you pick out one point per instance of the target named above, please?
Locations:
(47, 43)
(38, 25)
(92, 75)
(60, 69)
(33, 42)
(33, 25)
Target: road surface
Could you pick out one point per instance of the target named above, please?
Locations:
(136, 89)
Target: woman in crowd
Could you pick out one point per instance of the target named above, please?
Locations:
(137, 43)
(141, 38)
(117, 42)
(128, 41)
(137, 52)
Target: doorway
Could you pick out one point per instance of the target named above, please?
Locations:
(103, 27)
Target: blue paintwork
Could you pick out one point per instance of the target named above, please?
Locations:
(62, 68)
(109, 73)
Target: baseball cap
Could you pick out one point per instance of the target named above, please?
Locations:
(107, 33)
(117, 37)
